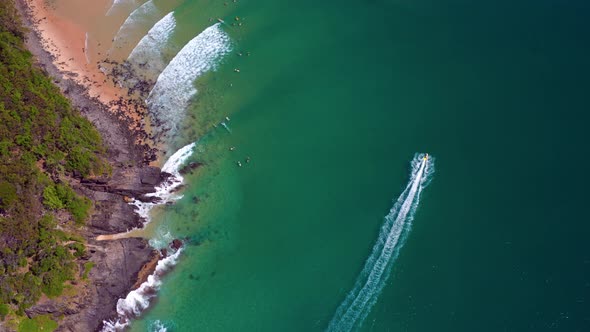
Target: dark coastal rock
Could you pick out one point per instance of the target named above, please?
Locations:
(117, 262)
(131, 181)
(119, 266)
(176, 244)
(96, 184)
(178, 188)
(148, 199)
(97, 181)
(112, 214)
(53, 309)
(147, 269)
(42, 309)
(150, 175)
(190, 167)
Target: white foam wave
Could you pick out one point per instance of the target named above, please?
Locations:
(118, 3)
(158, 326)
(166, 192)
(138, 300)
(142, 16)
(149, 51)
(174, 87)
(372, 279)
(162, 237)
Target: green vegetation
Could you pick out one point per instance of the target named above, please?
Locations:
(87, 267)
(44, 142)
(61, 196)
(40, 323)
(4, 310)
(7, 194)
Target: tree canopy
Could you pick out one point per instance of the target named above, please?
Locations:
(43, 141)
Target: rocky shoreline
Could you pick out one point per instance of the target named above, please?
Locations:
(119, 264)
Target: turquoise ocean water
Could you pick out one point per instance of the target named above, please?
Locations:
(330, 101)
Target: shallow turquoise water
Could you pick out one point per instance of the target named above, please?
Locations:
(331, 105)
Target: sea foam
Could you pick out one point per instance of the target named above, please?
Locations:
(174, 88)
(119, 3)
(138, 300)
(148, 53)
(165, 192)
(158, 326)
(142, 16)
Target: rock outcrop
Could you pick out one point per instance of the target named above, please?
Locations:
(117, 263)
(190, 167)
(133, 181)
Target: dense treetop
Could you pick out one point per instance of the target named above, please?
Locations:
(43, 142)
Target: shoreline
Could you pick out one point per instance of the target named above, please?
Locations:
(119, 264)
(65, 45)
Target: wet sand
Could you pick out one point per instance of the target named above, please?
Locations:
(70, 32)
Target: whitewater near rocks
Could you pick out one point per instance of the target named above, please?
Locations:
(139, 299)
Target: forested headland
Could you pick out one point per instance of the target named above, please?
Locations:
(44, 144)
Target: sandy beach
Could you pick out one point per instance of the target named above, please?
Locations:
(67, 30)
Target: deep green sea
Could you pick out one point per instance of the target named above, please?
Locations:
(331, 100)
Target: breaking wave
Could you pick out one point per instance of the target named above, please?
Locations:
(358, 303)
(174, 88)
(138, 300)
(166, 192)
(158, 326)
(147, 54)
(142, 16)
(119, 3)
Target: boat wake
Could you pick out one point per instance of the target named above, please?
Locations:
(359, 301)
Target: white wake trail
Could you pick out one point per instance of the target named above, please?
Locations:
(358, 303)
